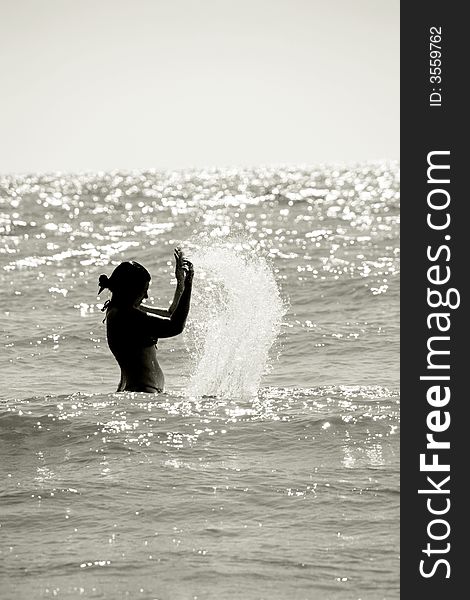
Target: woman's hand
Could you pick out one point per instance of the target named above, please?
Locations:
(179, 268)
(189, 270)
(184, 270)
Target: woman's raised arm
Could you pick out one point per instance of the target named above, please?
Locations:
(159, 327)
(180, 275)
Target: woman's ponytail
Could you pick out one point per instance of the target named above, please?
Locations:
(103, 283)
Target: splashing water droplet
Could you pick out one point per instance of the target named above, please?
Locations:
(235, 317)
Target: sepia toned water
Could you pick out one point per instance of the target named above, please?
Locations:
(269, 468)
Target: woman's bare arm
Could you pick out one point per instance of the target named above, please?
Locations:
(161, 312)
(180, 268)
(165, 312)
(159, 327)
(176, 298)
(179, 274)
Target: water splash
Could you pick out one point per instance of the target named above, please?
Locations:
(236, 314)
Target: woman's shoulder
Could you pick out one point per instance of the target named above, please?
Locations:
(131, 323)
(124, 314)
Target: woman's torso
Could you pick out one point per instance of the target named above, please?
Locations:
(134, 350)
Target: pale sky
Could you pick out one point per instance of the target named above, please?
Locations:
(92, 85)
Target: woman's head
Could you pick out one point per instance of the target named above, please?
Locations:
(128, 283)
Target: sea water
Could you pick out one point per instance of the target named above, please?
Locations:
(269, 467)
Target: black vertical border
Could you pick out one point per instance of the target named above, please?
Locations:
(425, 129)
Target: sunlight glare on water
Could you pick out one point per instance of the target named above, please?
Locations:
(269, 468)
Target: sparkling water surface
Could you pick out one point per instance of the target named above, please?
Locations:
(269, 467)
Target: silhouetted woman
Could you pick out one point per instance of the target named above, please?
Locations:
(133, 329)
